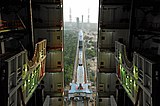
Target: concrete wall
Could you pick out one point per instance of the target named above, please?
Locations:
(106, 61)
(108, 37)
(58, 101)
(54, 60)
(108, 80)
(53, 81)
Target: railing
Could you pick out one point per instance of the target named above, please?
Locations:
(35, 71)
(12, 67)
(21, 75)
(11, 25)
(121, 53)
(136, 77)
(124, 71)
(39, 53)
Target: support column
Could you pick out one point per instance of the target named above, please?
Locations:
(127, 100)
(30, 29)
(39, 96)
(2, 46)
(131, 28)
(121, 98)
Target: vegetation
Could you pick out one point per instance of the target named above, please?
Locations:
(91, 75)
(90, 53)
(91, 49)
(70, 43)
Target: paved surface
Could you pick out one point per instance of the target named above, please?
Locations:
(79, 103)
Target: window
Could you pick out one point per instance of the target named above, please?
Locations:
(102, 63)
(59, 62)
(100, 100)
(58, 37)
(59, 99)
(102, 38)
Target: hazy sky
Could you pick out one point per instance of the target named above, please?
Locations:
(79, 8)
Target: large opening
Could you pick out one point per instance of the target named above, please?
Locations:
(80, 14)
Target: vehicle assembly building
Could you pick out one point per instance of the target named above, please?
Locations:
(32, 54)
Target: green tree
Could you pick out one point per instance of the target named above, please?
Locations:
(70, 46)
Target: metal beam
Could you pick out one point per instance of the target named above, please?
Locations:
(2, 46)
(30, 29)
(131, 28)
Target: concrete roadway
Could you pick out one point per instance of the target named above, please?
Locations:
(79, 103)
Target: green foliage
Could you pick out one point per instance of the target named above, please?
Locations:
(68, 74)
(70, 46)
(91, 41)
(90, 53)
(92, 76)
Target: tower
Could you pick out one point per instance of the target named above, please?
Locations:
(88, 16)
(77, 20)
(82, 23)
(70, 15)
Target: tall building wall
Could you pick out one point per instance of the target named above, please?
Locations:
(128, 30)
(113, 26)
(48, 16)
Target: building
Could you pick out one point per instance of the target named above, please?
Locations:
(31, 53)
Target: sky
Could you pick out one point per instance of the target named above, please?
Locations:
(79, 8)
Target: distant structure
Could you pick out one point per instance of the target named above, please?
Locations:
(88, 16)
(70, 15)
(82, 23)
(88, 24)
(77, 19)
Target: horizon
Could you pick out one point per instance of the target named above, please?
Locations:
(79, 8)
